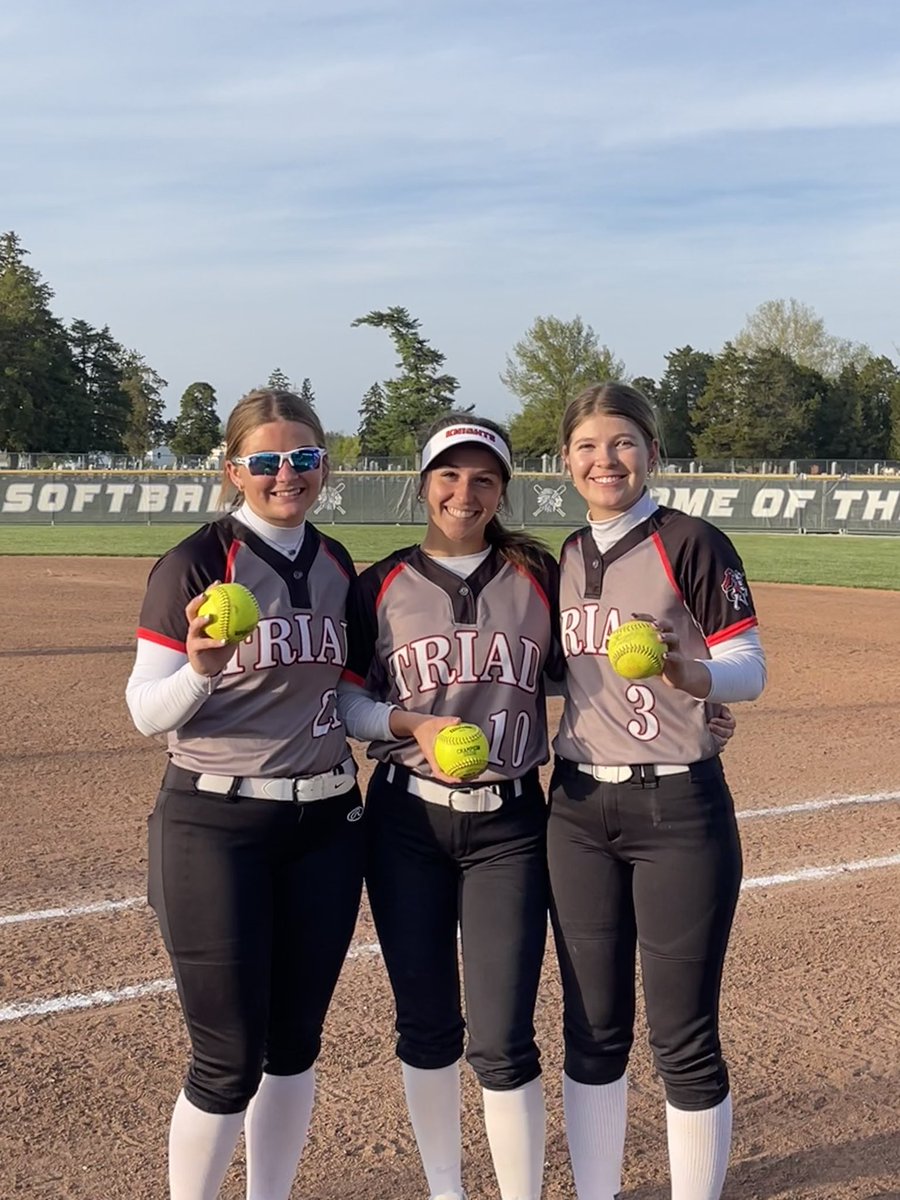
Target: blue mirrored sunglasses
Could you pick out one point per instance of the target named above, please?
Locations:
(268, 462)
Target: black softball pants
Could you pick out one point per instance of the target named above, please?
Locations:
(654, 867)
(431, 871)
(257, 901)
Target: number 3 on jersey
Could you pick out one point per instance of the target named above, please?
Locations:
(645, 726)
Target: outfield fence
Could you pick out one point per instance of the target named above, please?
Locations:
(802, 505)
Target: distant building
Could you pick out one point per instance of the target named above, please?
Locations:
(161, 458)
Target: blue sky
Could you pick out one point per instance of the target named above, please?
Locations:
(228, 185)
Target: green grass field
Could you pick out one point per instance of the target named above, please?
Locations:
(865, 562)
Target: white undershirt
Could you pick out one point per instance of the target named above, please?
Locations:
(164, 691)
(462, 564)
(737, 668)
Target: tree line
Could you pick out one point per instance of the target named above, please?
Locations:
(783, 387)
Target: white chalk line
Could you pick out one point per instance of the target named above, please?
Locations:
(811, 874)
(76, 910)
(787, 810)
(60, 1004)
(809, 806)
(138, 991)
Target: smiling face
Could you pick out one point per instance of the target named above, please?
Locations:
(283, 499)
(462, 493)
(609, 458)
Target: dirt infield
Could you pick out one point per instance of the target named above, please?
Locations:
(811, 1016)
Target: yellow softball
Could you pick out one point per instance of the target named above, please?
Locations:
(635, 650)
(461, 751)
(234, 612)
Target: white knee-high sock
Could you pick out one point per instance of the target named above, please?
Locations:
(595, 1128)
(516, 1130)
(275, 1132)
(699, 1143)
(432, 1098)
(200, 1148)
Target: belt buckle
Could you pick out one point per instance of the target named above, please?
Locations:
(315, 784)
(484, 800)
(612, 774)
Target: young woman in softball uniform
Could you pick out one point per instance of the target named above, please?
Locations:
(256, 842)
(460, 627)
(642, 840)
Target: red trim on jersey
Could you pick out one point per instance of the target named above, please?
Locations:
(667, 566)
(229, 561)
(389, 579)
(348, 676)
(534, 583)
(725, 635)
(160, 639)
(339, 566)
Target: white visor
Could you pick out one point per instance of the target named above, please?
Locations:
(458, 435)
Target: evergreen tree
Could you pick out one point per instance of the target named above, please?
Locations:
(682, 385)
(371, 418)
(38, 401)
(757, 406)
(147, 427)
(278, 382)
(420, 393)
(647, 386)
(879, 388)
(197, 429)
(306, 393)
(548, 367)
(99, 381)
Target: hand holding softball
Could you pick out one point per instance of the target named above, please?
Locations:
(636, 650)
(462, 752)
(687, 674)
(207, 655)
(426, 731)
(452, 759)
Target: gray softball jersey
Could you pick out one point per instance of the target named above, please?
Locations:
(673, 567)
(273, 712)
(477, 648)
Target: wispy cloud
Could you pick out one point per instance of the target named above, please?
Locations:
(228, 185)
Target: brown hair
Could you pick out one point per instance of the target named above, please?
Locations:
(516, 547)
(261, 408)
(615, 399)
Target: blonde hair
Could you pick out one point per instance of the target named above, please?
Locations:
(262, 408)
(616, 400)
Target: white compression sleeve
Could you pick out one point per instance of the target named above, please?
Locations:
(737, 669)
(363, 716)
(164, 690)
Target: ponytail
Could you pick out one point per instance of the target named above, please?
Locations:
(518, 548)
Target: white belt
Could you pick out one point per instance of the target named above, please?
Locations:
(299, 790)
(623, 774)
(487, 798)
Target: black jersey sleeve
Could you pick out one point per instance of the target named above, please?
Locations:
(338, 552)
(175, 579)
(363, 665)
(548, 577)
(707, 570)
